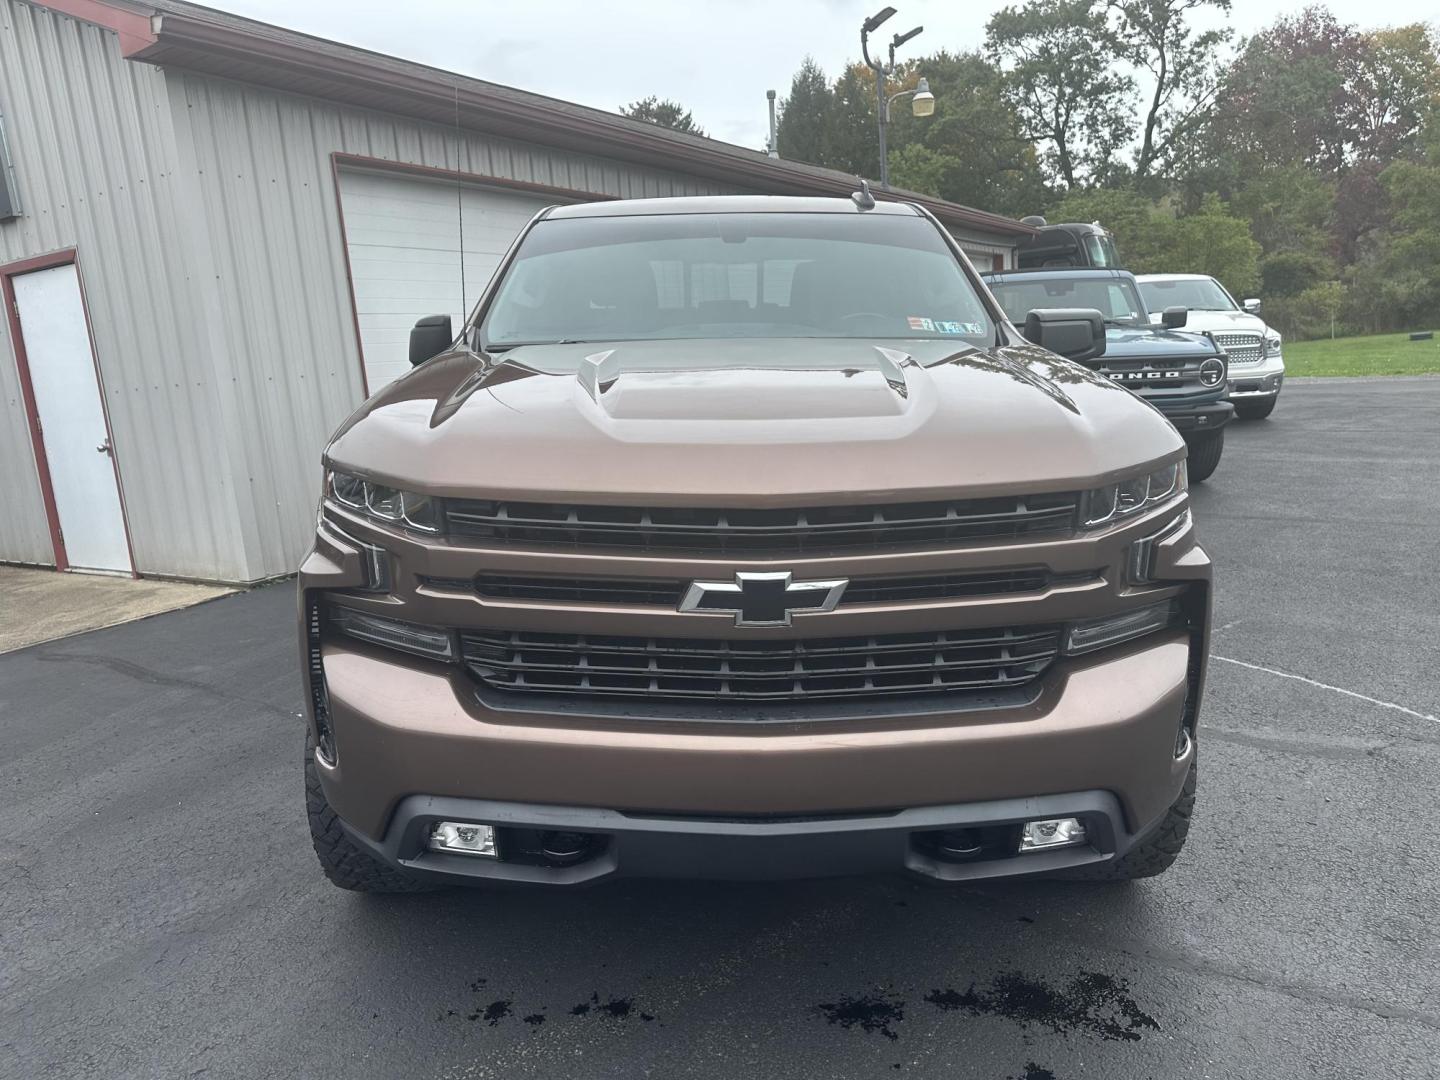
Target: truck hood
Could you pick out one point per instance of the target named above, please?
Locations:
(1223, 322)
(1140, 343)
(751, 422)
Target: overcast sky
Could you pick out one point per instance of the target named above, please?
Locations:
(717, 57)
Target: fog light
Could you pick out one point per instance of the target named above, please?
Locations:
(463, 838)
(1051, 833)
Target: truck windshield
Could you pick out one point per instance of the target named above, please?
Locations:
(1197, 294)
(1115, 298)
(663, 276)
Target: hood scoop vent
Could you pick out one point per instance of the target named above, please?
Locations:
(598, 373)
(697, 381)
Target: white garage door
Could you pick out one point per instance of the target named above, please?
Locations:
(403, 243)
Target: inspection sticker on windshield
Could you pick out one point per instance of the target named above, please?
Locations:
(939, 327)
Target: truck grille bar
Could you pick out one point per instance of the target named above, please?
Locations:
(667, 592)
(603, 666)
(807, 529)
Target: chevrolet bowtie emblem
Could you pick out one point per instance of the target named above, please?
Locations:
(763, 599)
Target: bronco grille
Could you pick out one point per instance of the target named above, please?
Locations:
(1241, 348)
(779, 671)
(667, 592)
(784, 531)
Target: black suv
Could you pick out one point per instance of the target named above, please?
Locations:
(1185, 376)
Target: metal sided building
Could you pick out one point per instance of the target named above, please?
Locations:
(215, 235)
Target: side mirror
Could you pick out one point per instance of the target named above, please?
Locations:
(1173, 318)
(1251, 306)
(1074, 333)
(432, 335)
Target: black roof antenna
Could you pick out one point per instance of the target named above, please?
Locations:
(862, 198)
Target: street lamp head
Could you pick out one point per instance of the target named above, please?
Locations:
(875, 20)
(924, 103)
(900, 39)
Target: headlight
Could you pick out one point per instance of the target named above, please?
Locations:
(1134, 495)
(385, 504)
(1084, 637)
(1272, 344)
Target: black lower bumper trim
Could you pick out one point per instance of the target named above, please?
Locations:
(1197, 420)
(630, 845)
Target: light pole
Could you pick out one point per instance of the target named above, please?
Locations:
(924, 100)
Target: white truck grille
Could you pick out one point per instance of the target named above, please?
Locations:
(1241, 348)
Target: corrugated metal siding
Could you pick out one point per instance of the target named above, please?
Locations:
(94, 149)
(263, 163)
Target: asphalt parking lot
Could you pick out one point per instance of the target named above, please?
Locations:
(161, 914)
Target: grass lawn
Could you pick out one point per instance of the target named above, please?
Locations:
(1382, 354)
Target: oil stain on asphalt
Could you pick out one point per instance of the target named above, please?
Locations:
(1092, 1004)
(869, 1012)
(613, 1008)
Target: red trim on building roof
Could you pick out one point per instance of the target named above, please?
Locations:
(130, 22)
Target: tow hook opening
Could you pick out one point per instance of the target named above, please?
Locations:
(972, 844)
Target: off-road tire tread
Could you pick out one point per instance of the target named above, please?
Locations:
(1155, 854)
(345, 863)
(1205, 456)
(1255, 410)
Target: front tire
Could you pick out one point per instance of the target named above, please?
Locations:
(346, 863)
(1256, 410)
(1205, 453)
(1157, 852)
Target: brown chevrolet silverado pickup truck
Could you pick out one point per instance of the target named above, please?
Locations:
(745, 538)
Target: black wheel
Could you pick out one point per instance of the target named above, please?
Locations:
(1156, 852)
(345, 863)
(1256, 410)
(1204, 455)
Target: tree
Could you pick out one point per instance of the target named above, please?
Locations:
(1152, 238)
(1057, 57)
(1156, 36)
(666, 114)
(975, 144)
(804, 116)
(851, 141)
(1214, 241)
(1396, 84)
(1288, 97)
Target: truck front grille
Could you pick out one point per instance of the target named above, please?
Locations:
(1241, 348)
(723, 531)
(603, 666)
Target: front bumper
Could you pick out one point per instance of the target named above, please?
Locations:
(1262, 380)
(414, 744)
(1199, 419)
(647, 846)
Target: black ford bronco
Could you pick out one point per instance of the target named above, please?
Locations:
(1185, 376)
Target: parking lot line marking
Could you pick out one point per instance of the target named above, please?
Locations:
(1337, 689)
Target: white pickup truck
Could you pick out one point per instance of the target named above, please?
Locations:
(1256, 366)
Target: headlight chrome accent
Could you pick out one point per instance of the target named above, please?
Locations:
(1272, 343)
(1133, 495)
(1093, 634)
(427, 641)
(1140, 568)
(387, 505)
